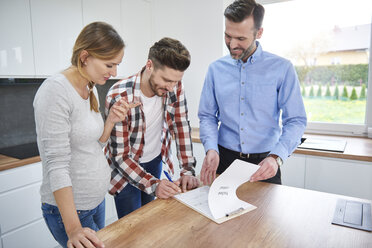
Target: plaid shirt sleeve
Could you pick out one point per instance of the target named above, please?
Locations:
(182, 132)
(122, 156)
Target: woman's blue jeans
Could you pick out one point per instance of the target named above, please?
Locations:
(131, 198)
(94, 219)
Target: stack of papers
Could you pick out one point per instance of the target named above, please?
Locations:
(219, 201)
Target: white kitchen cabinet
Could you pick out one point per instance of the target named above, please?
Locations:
(331, 175)
(339, 176)
(293, 171)
(22, 206)
(22, 224)
(21, 221)
(55, 26)
(16, 51)
(110, 213)
(32, 235)
(20, 176)
(199, 155)
(105, 11)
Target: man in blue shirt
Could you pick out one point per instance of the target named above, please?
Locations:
(245, 95)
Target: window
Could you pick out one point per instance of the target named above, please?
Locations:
(329, 43)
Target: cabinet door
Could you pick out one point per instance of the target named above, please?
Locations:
(293, 171)
(199, 154)
(105, 11)
(16, 54)
(56, 25)
(20, 176)
(339, 176)
(34, 235)
(110, 214)
(20, 207)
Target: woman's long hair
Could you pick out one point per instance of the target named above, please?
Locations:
(101, 41)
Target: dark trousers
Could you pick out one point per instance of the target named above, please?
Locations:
(227, 157)
(131, 198)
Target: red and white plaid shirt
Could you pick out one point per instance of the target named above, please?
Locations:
(125, 146)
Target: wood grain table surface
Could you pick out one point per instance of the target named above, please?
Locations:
(285, 217)
(7, 163)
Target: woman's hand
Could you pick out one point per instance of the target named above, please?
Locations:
(119, 111)
(83, 237)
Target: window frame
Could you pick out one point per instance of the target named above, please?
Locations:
(363, 130)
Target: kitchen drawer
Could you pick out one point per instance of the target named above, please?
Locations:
(20, 176)
(19, 207)
(293, 171)
(35, 235)
(339, 176)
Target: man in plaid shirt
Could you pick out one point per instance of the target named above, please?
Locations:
(138, 145)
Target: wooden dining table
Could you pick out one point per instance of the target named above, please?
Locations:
(285, 217)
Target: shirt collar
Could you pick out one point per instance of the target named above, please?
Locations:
(253, 58)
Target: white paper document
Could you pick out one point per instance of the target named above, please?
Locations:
(197, 199)
(219, 202)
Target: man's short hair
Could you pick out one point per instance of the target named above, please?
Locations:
(171, 53)
(241, 9)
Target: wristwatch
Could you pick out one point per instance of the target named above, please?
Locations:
(278, 159)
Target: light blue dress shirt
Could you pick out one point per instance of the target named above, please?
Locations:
(241, 104)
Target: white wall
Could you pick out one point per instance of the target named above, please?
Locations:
(197, 24)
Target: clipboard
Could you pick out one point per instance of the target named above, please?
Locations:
(219, 201)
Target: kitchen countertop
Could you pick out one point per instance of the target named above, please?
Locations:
(7, 163)
(357, 148)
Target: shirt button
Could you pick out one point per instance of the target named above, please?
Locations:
(243, 67)
(242, 114)
(242, 82)
(243, 143)
(242, 98)
(241, 129)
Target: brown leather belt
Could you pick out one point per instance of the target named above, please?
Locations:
(246, 155)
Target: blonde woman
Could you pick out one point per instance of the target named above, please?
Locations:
(71, 134)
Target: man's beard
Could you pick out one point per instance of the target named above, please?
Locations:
(153, 87)
(245, 53)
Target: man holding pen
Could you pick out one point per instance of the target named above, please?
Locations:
(141, 143)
